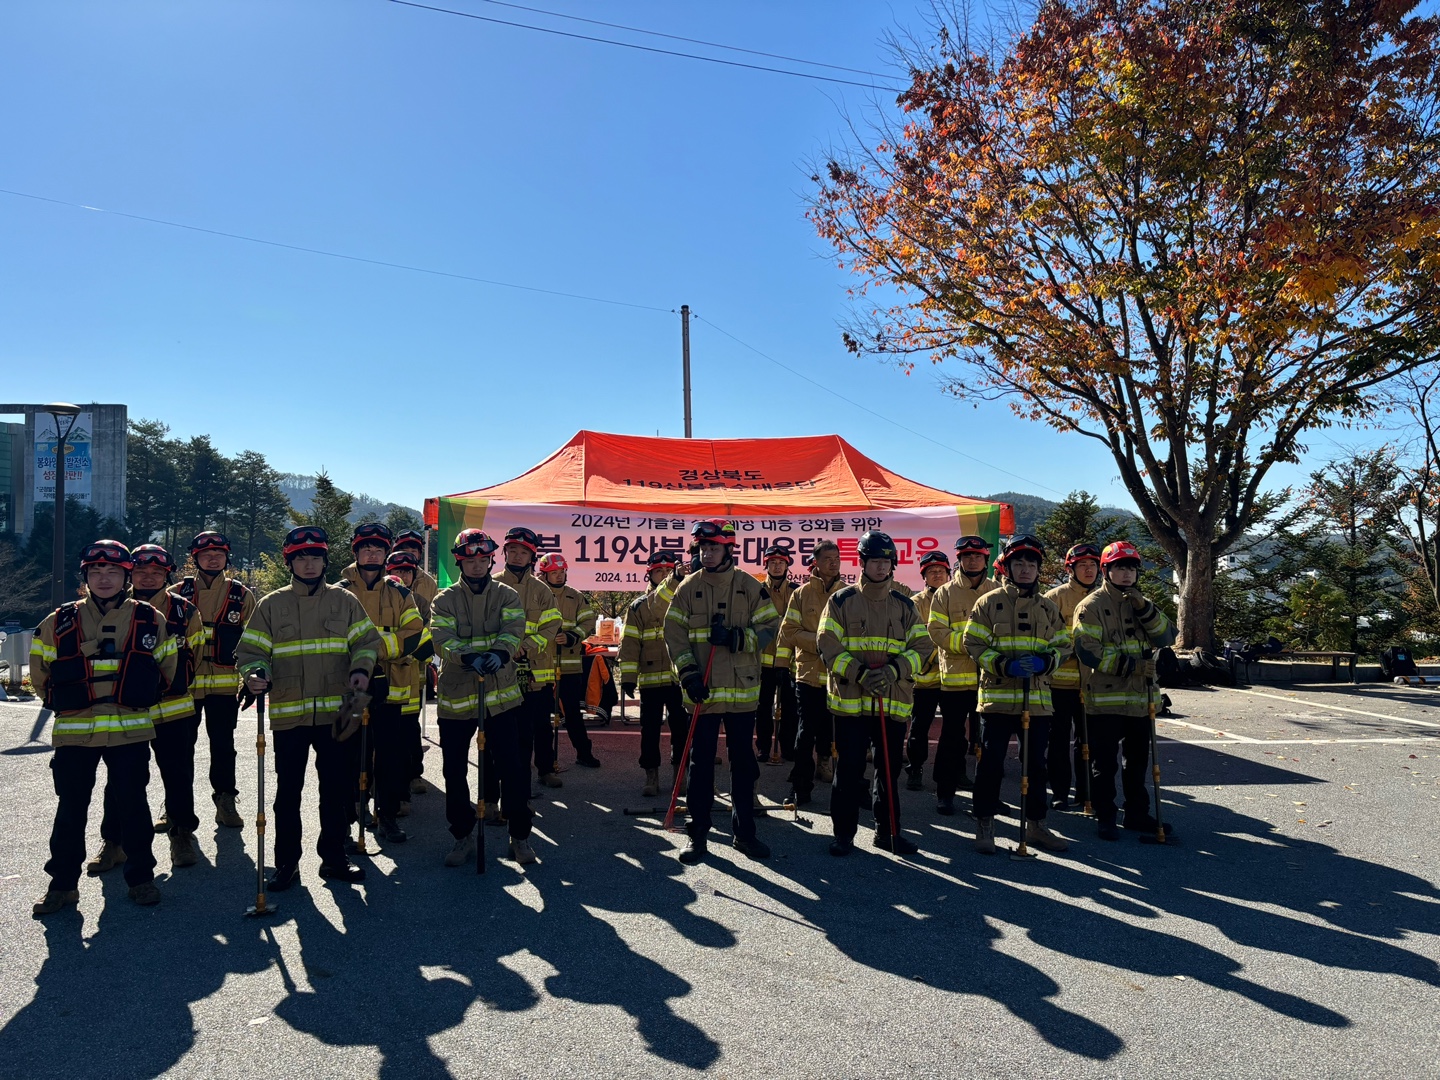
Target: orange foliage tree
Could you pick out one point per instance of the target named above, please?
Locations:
(1194, 231)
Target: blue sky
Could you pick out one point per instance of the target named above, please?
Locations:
(401, 135)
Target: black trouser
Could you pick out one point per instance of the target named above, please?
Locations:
(390, 755)
(524, 738)
(414, 739)
(538, 705)
(174, 749)
(744, 771)
(657, 703)
(221, 712)
(506, 762)
(570, 689)
(816, 734)
(127, 771)
(998, 730)
(956, 709)
(922, 716)
(775, 683)
(1110, 737)
(854, 735)
(1064, 723)
(335, 767)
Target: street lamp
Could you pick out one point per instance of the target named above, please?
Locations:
(64, 415)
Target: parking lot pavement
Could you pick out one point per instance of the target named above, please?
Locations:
(1291, 932)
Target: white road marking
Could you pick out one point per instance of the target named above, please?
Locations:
(1334, 708)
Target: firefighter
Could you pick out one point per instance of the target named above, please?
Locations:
(815, 735)
(645, 667)
(404, 566)
(1117, 629)
(959, 681)
(102, 664)
(310, 646)
(535, 663)
(873, 644)
(935, 570)
(775, 680)
(392, 610)
(225, 607)
(1017, 639)
(1082, 562)
(577, 622)
(724, 616)
(177, 726)
(423, 584)
(478, 625)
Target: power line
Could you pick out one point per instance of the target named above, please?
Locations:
(872, 412)
(334, 254)
(635, 45)
(690, 40)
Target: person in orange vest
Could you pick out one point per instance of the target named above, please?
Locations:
(577, 622)
(102, 664)
(775, 681)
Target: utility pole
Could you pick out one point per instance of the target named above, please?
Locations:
(64, 414)
(685, 353)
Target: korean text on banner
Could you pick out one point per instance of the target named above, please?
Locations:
(77, 458)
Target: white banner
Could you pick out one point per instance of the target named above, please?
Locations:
(77, 458)
(607, 549)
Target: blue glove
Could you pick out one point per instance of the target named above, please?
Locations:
(1023, 667)
(487, 663)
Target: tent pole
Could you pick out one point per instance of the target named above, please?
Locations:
(685, 359)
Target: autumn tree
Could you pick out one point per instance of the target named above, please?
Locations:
(1193, 231)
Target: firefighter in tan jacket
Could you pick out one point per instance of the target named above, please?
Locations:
(799, 633)
(403, 566)
(392, 609)
(1082, 562)
(101, 665)
(959, 678)
(874, 644)
(308, 645)
(718, 625)
(645, 668)
(935, 571)
(577, 622)
(536, 660)
(776, 684)
(1017, 639)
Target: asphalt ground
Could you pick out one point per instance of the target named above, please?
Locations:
(1292, 931)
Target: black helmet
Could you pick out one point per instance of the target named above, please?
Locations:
(878, 545)
(1022, 545)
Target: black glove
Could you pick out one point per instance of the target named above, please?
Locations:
(1125, 667)
(246, 698)
(628, 689)
(694, 685)
(878, 680)
(728, 637)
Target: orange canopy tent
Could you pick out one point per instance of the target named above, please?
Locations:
(762, 481)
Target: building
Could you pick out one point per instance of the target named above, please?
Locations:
(94, 458)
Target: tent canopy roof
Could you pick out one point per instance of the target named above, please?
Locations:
(714, 477)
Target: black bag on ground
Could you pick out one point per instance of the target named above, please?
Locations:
(1397, 660)
(1209, 670)
(1168, 670)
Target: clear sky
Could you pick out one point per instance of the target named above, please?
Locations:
(409, 136)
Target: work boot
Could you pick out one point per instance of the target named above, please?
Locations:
(652, 782)
(54, 900)
(825, 770)
(695, 849)
(914, 778)
(417, 786)
(111, 855)
(966, 781)
(754, 847)
(1060, 803)
(403, 810)
(1038, 834)
(461, 853)
(1143, 823)
(899, 844)
(345, 870)
(985, 835)
(797, 798)
(162, 823)
(945, 805)
(552, 780)
(493, 815)
(683, 777)
(1107, 831)
(225, 812)
(588, 760)
(842, 846)
(522, 852)
(390, 831)
(182, 849)
(145, 894)
(282, 877)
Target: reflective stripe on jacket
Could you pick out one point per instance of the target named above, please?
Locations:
(928, 677)
(393, 611)
(949, 612)
(801, 628)
(778, 654)
(742, 603)
(865, 626)
(644, 659)
(542, 621)
(1107, 629)
(464, 622)
(172, 608)
(1067, 597)
(1006, 625)
(216, 610)
(577, 616)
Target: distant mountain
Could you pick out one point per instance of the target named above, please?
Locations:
(300, 490)
(1031, 510)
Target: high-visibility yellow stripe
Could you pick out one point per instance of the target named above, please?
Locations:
(280, 710)
(865, 706)
(172, 708)
(106, 723)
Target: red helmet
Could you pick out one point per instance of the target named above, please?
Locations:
(665, 559)
(402, 560)
(1022, 545)
(472, 542)
(209, 540)
(1120, 551)
(525, 538)
(372, 532)
(306, 540)
(107, 553)
(411, 539)
(967, 544)
(1081, 551)
(775, 551)
(153, 555)
(552, 561)
(934, 558)
(714, 531)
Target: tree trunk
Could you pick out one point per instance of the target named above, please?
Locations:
(1195, 613)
